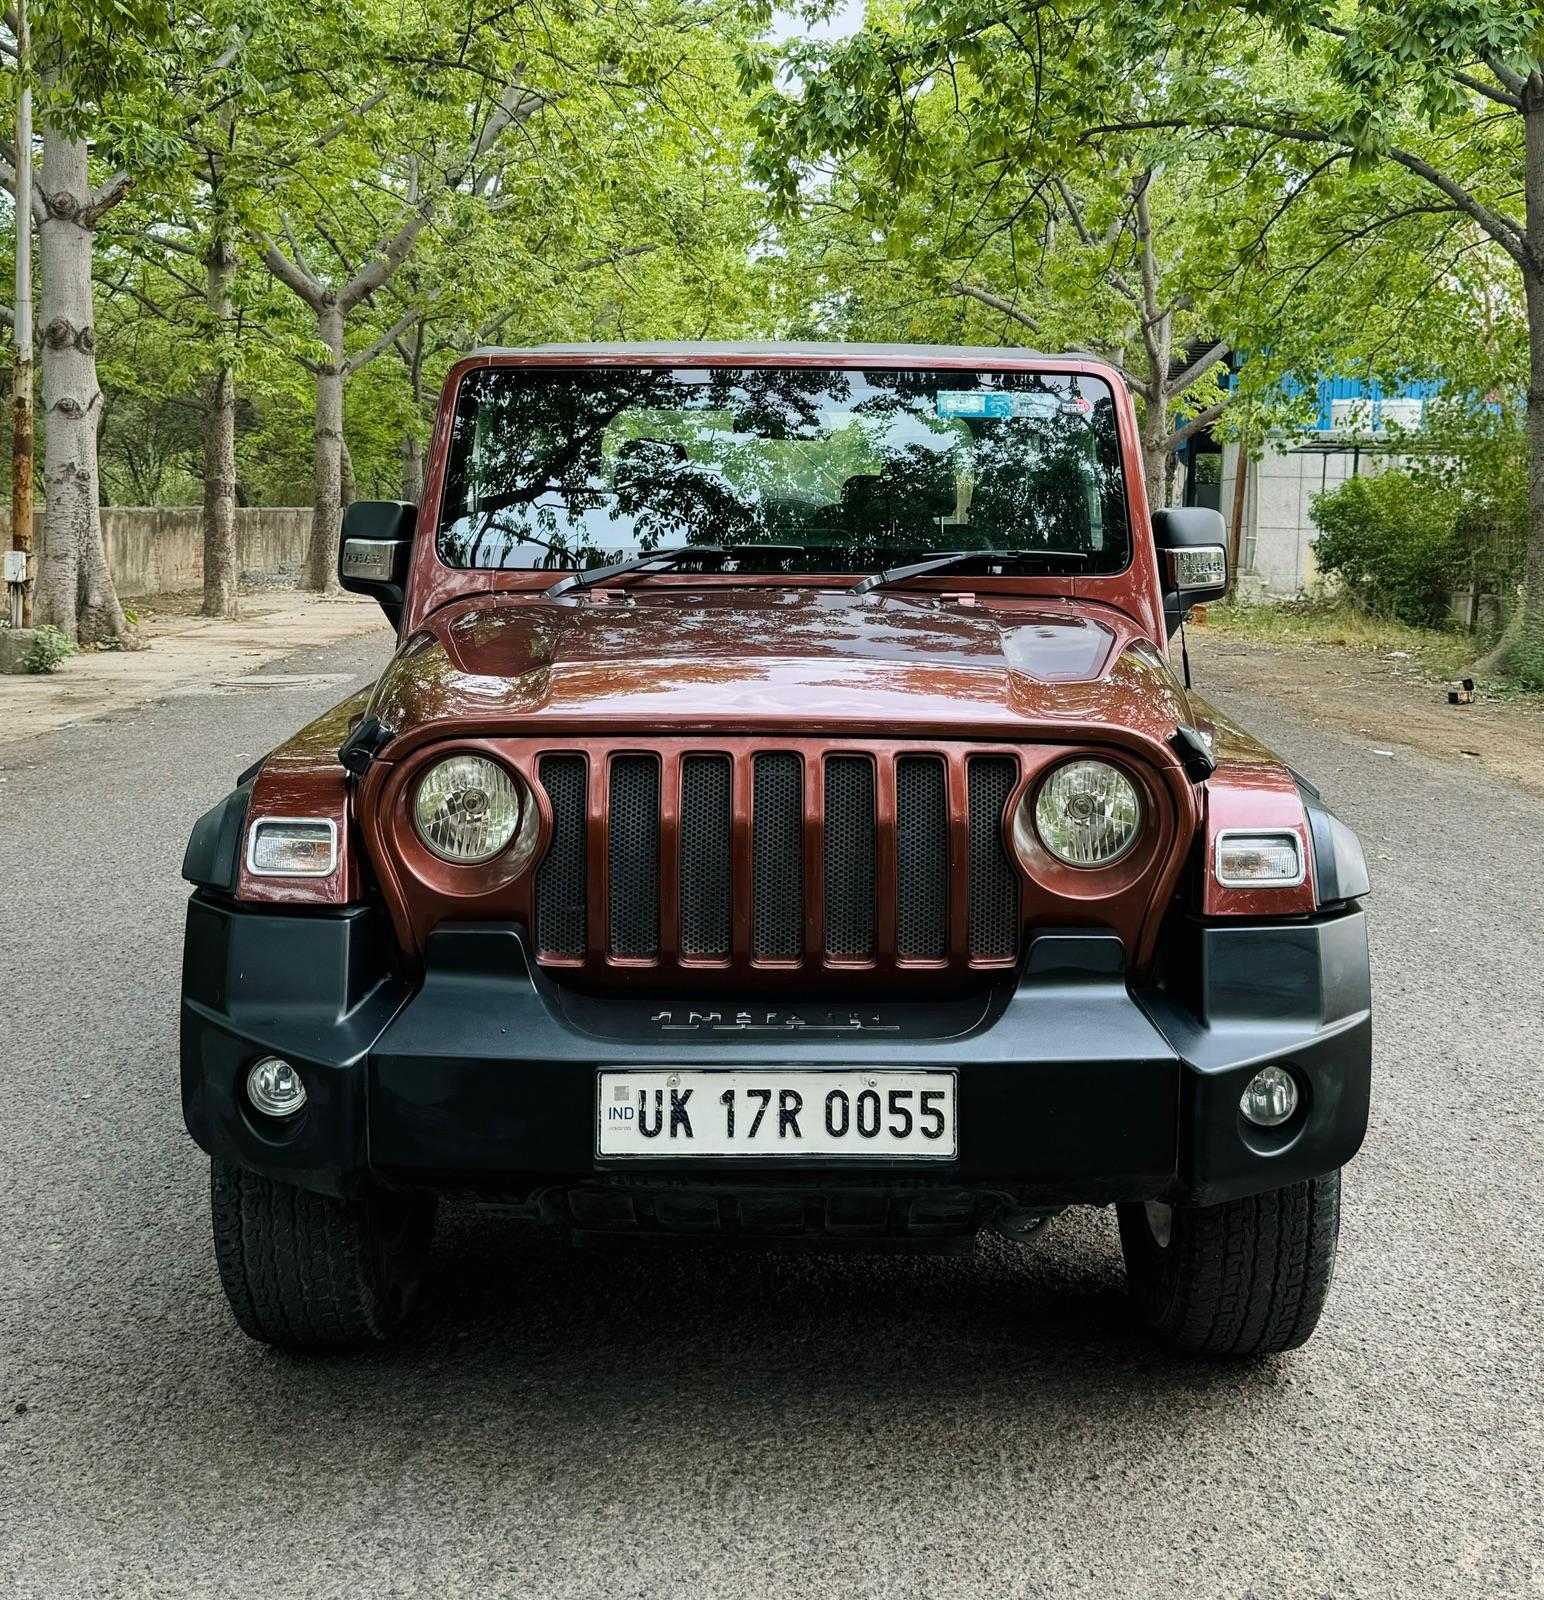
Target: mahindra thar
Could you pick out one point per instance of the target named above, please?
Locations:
(781, 822)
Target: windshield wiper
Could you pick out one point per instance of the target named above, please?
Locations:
(961, 558)
(677, 553)
(680, 552)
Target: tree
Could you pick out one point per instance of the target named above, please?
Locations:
(532, 132)
(1443, 97)
(1450, 92)
(90, 59)
(1009, 159)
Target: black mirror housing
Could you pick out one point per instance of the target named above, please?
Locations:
(375, 552)
(1192, 546)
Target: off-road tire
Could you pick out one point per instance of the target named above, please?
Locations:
(1245, 1278)
(309, 1272)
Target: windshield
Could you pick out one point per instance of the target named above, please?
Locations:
(811, 469)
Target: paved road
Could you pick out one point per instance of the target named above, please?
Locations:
(584, 1425)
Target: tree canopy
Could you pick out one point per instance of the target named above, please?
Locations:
(272, 227)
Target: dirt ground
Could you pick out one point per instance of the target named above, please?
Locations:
(1385, 699)
(188, 654)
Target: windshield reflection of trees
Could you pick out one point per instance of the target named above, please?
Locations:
(845, 471)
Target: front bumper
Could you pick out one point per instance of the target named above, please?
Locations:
(481, 1076)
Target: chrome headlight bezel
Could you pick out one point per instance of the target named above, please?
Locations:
(1124, 807)
(505, 796)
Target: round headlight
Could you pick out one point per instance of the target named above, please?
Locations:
(467, 808)
(1088, 813)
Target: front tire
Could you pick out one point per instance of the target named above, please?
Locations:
(1245, 1278)
(309, 1272)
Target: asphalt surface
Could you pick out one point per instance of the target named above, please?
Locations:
(572, 1424)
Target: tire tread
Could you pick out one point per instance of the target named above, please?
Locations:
(299, 1269)
(1247, 1277)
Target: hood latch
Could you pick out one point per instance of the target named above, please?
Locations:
(1194, 750)
(364, 744)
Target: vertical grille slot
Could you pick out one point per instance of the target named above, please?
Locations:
(921, 858)
(707, 848)
(561, 917)
(777, 849)
(849, 856)
(632, 856)
(993, 922)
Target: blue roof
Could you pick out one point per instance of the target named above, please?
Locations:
(1329, 390)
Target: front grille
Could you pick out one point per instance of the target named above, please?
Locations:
(707, 867)
(994, 884)
(848, 858)
(632, 866)
(561, 919)
(922, 858)
(777, 879)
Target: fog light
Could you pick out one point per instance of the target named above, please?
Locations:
(274, 1088)
(1270, 1098)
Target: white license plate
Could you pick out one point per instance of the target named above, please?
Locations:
(874, 1116)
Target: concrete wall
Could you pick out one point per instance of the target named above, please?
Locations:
(155, 551)
(1278, 532)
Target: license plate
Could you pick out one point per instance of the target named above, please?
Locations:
(867, 1116)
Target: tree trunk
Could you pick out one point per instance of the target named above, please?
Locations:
(348, 487)
(1155, 473)
(222, 559)
(327, 512)
(1520, 653)
(412, 468)
(74, 588)
(1156, 457)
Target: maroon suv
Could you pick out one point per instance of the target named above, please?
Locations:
(781, 821)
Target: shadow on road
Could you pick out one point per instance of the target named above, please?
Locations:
(566, 1363)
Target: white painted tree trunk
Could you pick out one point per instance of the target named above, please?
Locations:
(222, 559)
(322, 554)
(348, 487)
(412, 468)
(74, 588)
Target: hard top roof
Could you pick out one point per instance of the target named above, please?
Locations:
(762, 350)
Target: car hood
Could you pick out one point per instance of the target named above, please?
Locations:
(785, 660)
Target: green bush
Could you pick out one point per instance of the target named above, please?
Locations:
(1392, 543)
(50, 646)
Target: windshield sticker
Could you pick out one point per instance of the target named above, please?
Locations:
(997, 407)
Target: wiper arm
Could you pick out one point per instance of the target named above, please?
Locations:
(582, 580)
(961, 558)
(656, 558)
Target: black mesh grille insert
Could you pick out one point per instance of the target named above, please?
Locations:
(632, 858)
(922, 858)
(994, 884)
(707, 846)
(777, 847)
(849, 856)
(561, 922)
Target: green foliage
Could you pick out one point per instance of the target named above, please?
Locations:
(1391, 541)
(617, 210)
(1107, 179)
(1479, 453)
(50, 647)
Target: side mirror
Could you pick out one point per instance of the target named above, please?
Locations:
(1193, 548)
(375, 552)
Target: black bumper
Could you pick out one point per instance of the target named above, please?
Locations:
(482, 1076)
